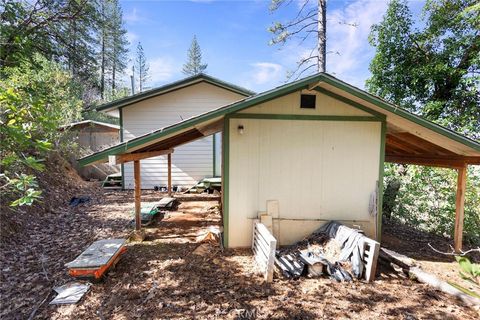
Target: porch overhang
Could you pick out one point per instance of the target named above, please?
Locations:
(407, 138)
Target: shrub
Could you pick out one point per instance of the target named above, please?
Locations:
(426, 199)
(36, 98)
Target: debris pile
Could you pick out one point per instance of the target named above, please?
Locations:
(334, 250)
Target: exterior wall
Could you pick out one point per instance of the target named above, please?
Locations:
(96, 138)
(289, 104)
(318, 170)
(190, 162)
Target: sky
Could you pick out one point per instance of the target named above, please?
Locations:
(234, 39)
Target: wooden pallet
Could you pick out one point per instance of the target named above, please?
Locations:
(97, 259)
(263, 246)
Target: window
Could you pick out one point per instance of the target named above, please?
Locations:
(307, 101)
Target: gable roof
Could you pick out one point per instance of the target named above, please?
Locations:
(192, 128)
(186, 82)
(85, 123)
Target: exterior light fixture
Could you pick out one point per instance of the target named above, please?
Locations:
(241, 129)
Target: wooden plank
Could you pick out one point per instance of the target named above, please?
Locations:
(438, 161)
(122, 158)
(392, 140)
(267, 221)
(274, 211)
(459, 208)
(97, 254)
(136, 174)
(430, 147)
(211, 128)
(169, 174)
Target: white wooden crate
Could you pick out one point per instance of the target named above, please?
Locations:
(263, 247)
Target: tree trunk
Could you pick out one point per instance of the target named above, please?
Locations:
(114, 67)
(322, 35)
(102, 71)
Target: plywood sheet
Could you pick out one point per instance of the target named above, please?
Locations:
(97, 254)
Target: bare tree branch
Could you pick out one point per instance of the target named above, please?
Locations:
(453, 253)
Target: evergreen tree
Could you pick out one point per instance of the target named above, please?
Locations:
(141, 67)
(194, 64)
(76, 43)
(113, 45)
(120, 44)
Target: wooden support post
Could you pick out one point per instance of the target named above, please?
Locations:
(169, 174)
(459, 207)
(136, 174)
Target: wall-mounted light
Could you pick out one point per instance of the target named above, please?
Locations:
(241, 129)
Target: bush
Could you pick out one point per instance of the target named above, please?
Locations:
(426, 199)
(36, 98)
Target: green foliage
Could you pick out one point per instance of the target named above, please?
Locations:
(35, 100)
(99, 116)
(71, 33)
(470, 272)
(433, 71)
(194, 63)
(142, 67)
(426, 199)
(23, 186)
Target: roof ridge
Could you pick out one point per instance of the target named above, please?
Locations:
(181, 83)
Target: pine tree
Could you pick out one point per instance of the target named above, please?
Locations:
(113, 45)
(119, 44)
(142, 67)
(194, 64)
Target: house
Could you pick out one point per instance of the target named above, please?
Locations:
(94, 136)
(147, 111)
(316, 147)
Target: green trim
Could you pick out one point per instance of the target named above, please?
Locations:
(122, 166)
(381, 172)
(226, 178)
(123, 102)
(403, 113)
(301, 117)
(267, 96)
(351, 103)
(214, 155)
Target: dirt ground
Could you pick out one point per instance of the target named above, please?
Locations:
(163, 278)
(415, 244)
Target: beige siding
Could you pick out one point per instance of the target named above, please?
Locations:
(317, 170)
(290, 104)
(191, 162)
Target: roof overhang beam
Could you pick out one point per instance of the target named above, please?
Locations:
(128, 157)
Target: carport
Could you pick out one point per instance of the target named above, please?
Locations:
(405, 138)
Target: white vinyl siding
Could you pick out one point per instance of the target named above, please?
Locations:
(190, 162)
